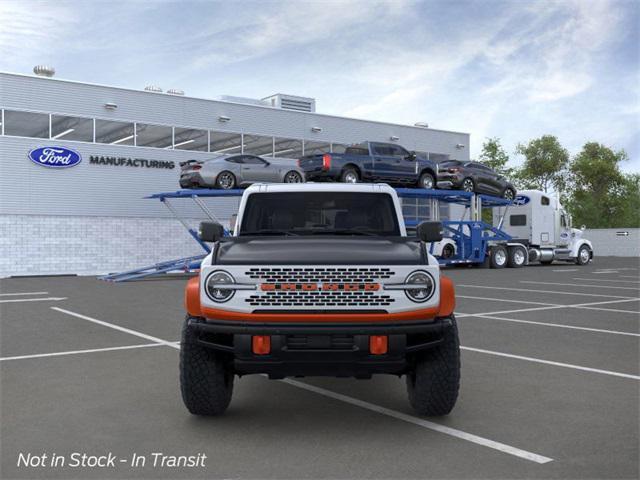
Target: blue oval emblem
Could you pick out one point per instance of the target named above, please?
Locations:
(55, 157)
(521, 200)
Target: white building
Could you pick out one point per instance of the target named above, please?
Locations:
(93, 218)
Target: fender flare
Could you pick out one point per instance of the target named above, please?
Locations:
(447, 297)
(192, 297)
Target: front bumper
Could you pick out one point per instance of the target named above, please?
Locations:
(449, 180)
(337, 349)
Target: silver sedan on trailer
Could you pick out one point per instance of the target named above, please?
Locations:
(234, 171)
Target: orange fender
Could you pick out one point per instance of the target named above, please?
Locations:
(447, 297)
(192, 297)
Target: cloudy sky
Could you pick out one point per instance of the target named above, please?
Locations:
(514, 69)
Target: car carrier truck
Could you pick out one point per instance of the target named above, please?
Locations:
(539, 223)
(320, 280)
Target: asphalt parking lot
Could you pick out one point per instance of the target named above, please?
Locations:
(550, 377)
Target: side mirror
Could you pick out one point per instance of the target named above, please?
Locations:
(430, 231)
(411, 156)
(210, 232)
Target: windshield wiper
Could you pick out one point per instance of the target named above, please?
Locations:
(269, 231)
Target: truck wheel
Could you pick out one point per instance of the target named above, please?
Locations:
(206, 383)
(293, 177)
(448, 251)
(349, 175)
(584, 255)
(226, 180)
(427, 181)
(498, 257)
(468, 185)
(434, 382)
(517, 257)
(509, 194)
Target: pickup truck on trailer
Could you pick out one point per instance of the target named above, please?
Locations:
(320, 279)
(372, 162)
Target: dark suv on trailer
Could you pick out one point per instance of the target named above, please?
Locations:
(474, 177)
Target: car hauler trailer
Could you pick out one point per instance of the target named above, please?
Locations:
(538, 221)
(468, 241)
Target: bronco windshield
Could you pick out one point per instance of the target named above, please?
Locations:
(320, 213)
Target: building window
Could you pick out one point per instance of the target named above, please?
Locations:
(258, 145)
(114, 133)
(190, 139)
(287, 148)
(157, 136)
(313, 148)
(71, 128)
(225, 143)
(26, 124)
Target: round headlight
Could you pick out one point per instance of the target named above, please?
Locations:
(215, 286)
(425, 287)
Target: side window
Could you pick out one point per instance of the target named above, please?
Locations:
(252, 160)
(236, 159)
(379, 149)
(518, 220)
(544, 200)
(563, 220)
(398, 151)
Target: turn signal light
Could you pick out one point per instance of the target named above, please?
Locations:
(261, 344)
(378, 344)
(326, 161)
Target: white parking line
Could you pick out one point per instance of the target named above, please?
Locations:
(509, 301)
(548, 362)
(559, 325)
(527, 290)
(23, 293)
(566, 270)
(588, 306)
(604, 280)
(581, 285)
(117, 327)
(76, 352)
(469, 437)
(628, 276)
(48, 299)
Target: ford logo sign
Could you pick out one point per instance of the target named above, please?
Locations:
(521, 200)
(55, 157)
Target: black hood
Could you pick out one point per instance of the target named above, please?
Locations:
(314, 250)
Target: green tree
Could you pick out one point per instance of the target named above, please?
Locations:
(494, 156)
(545, 164)
(600, 195)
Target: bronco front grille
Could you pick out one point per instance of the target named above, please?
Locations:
(319, 274)
(318, 298)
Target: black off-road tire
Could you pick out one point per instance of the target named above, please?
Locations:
(206, 382)
(434, 383)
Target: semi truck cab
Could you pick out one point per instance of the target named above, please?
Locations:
(538, 221)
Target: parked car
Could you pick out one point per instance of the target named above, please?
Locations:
(474, 177)
(233, 171)
(372, 162)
